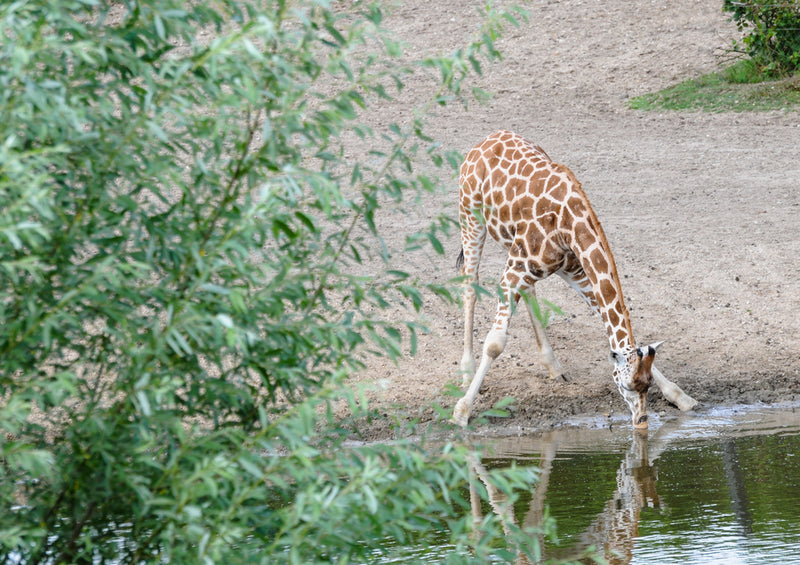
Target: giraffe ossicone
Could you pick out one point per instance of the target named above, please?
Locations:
(511, 190)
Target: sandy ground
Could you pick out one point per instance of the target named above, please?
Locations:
(702, 212)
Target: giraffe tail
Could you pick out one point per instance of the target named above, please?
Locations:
(460, 260)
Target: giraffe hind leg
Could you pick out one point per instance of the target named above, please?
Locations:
(473, 238)
(467, 359)
(492, 348)
(546, 355)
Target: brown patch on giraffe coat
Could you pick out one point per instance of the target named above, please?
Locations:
(534, 237)
(490, 149)
(548, 222)
(526, 203)
(613, 317)
(566, 223)
(607, 291)
(583, 237)
(518, 211)
(497, 198)
(515, 188)
(543, 207)
(559, 192)
(534, 271)
(552, 256)
(504, 212)
(512, 279)
(499, 178)
(599, 261)
(510, 193)
(517, 250)
(576, 206)
(527, 170)
(538, 179)
(522, 209)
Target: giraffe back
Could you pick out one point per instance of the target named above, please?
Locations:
(527, 202)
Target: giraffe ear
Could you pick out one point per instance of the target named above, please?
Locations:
(649, 350)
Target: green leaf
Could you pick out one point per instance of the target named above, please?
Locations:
(201, 229)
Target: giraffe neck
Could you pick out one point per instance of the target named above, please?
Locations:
(594, 254)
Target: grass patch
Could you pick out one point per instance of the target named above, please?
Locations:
(739, 88)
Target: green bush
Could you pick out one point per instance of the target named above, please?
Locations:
(183, 247)
(772, 33)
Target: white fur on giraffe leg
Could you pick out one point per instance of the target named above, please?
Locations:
(467, 370)
(461, 413)
(673, 392)
(555, 369)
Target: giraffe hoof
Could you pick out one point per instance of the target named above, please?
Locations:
(461, 414)
(557, 377)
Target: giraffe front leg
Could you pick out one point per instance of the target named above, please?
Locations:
(495, 343)
(672, 392)
(492, 348)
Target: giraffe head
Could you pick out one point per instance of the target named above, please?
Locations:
(633, 375)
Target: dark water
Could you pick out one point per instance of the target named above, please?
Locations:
(719, 487)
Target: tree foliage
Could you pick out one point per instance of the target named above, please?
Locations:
(190, 266)
(772, 37)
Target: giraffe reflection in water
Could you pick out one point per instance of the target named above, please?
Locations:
(614, 531)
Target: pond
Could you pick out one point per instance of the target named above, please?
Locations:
(722, 486)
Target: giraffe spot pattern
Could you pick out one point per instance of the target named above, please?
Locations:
(510, 186)
(511, 190)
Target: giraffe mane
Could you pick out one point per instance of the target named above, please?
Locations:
(599, 232)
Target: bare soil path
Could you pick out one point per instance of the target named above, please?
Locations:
(702, 212)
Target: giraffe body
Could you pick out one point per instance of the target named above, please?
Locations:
(510, 189)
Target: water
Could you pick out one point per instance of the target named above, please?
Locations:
(720, 487)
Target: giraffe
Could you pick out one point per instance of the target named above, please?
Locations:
(511, 189)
